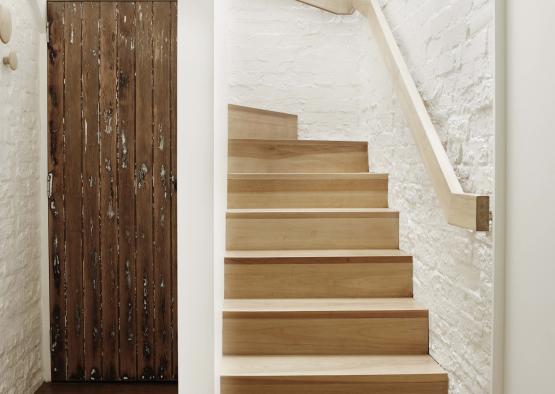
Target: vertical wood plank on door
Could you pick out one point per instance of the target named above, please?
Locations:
(126, 190)
(108, 189)
(91, 204)
(73, 185)
(144, 197)
(56, 213)
(162, 203)
(173, 108)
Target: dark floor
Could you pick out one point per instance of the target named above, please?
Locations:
(106, 388)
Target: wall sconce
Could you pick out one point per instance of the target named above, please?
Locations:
(11, 60)
(5, 25)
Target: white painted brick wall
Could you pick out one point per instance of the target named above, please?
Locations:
(289, 57)
(20, 320)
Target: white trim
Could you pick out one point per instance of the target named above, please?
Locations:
(220, 174)
(39, 8)
(498, 340)
(195, 162)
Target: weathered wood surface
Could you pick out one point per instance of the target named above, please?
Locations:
(112, 189)
(109, 191)
(73, 193)
(161, 23)
(144, 146)
(56, 211)
(91, 204)
(126, 195)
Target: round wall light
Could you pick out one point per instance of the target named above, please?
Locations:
(5, 25)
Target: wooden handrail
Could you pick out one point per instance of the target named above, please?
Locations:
(461, 209)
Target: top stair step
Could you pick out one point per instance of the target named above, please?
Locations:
(254, 123)
(297, 156)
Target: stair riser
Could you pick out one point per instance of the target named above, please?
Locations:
(364, 280)
(325, 335)
(251, 123)
(254, 157)
(317, 385)
(324, 193)
(291, 233)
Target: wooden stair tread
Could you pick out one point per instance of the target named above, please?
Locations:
(307, 176)
(299, 142)
(334, 366)
(313, 212)
(354, 307)
(237, 255)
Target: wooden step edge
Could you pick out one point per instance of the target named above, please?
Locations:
(370, 256)
(358, 144)
(323, 308)
(340, 368)
(241, 108)
(308, 176)
(325, 314)
(306, 213)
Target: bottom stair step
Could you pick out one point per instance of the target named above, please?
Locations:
(332, 375)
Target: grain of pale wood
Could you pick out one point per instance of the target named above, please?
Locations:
(73, 193)
(317, 256)
(144, 192)
(324, 326)
(109, 189)
(316, 307)
(126, 192)
(324, 334)
(318, 385)
(332, 375)
(312, 229)
(161, 25)
(318, 280)
(254, 123)
(264, 156)
(357, 190)
(56, 207)
(92, 294)
(370, 368)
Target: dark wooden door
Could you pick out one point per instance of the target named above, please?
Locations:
(112, 183)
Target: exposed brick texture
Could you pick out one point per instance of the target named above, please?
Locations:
(290, 57)
(20, 320)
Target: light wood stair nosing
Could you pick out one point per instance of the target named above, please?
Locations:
(390, 368)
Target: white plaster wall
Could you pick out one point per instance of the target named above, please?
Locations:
(20, 248)
(290, 57)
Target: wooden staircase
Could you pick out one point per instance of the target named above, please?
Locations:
(318, 296)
